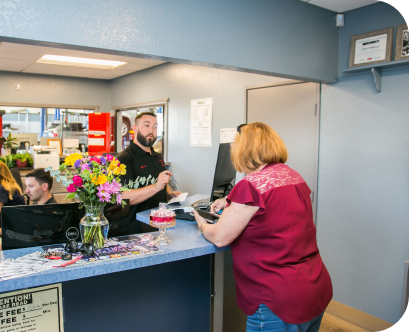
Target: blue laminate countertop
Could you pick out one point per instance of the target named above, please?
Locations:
(187, 242)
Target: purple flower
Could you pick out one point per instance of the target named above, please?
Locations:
(84, 167)
(118, 199)
(103, 194)
(78, 163)
(114, 187)
(103, 161)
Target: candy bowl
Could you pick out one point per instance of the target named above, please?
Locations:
(162, 218)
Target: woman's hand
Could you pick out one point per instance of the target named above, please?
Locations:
(199, 219)
(218, 205)
(232, 222)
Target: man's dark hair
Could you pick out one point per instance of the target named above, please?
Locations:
(142, 114)
(41, 177)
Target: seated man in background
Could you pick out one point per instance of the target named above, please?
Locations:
(38, 187)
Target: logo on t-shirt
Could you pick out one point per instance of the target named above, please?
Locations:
(162, 163)
(143, 167)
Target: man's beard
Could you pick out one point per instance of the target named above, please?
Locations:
(144, 141)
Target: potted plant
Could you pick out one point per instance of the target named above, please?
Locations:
(8, 145)
(23, 159)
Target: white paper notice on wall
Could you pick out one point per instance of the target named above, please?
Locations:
(227, 135)
(35, 309)
(201, 122)
(95, 142)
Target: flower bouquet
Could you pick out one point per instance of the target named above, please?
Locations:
(95, 184)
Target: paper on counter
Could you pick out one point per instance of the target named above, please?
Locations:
(178, 199)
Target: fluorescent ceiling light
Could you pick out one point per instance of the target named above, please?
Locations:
(78, 62)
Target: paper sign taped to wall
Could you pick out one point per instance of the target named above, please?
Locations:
(95, 142)
(35, 309)
(201, 122)
(227, 135)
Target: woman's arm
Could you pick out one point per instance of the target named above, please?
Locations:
(1, 205)
(230, 225)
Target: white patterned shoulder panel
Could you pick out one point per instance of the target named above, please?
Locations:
(278, 175)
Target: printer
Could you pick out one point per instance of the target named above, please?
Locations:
(45, 156)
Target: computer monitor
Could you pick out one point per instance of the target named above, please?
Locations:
(224, 174)
(32, 138)
(38, 225)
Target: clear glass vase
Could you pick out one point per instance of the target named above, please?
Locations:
(94, 226)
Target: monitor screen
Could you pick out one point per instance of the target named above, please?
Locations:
(32, 138)
(224, 174)
(38, 225)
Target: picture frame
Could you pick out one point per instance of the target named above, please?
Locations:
(56, 143)
(402, 42)
(371, 48)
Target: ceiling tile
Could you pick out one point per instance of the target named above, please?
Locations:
(133, 67)
(341, 6)
(40, 68)
(110, 74)
(21, 48)
(19, 56)
(147, 61)
(13, 65)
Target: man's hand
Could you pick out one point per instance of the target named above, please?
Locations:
(163, 180)
(174, 194)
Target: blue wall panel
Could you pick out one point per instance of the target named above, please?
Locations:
(288, 38)
(363, 188)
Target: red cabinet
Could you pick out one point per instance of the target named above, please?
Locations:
(101, 133)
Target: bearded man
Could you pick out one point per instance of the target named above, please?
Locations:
(142, 161)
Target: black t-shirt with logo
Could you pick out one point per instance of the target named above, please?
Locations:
(141, 163)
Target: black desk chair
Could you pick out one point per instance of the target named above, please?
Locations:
(17, 177)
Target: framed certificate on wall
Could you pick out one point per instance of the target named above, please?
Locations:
(402, 42)
(371, 48)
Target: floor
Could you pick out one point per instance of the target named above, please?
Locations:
(333, 324)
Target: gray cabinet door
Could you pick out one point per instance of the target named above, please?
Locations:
(292, 110)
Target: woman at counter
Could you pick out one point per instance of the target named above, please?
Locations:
(10, 191)
(281, 281)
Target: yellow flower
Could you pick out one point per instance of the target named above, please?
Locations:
(72, 158)
(114, 162)
(120, 170)
(101, 179)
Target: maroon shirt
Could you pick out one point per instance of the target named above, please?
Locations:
(276, 258)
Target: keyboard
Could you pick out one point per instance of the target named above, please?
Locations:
(202, 202)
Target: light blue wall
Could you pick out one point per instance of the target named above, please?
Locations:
(363, 189)
(193, 167)
(282, 37)
(49, 89)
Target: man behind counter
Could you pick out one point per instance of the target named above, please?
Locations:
(141, 160)
(38, 187)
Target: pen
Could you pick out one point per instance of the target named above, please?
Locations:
(72, 261)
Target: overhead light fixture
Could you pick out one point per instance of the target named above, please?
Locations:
(63, 60)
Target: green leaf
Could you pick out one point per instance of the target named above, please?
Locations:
(58, 178)
(70, 196)
(136, 185)
(153, 181)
